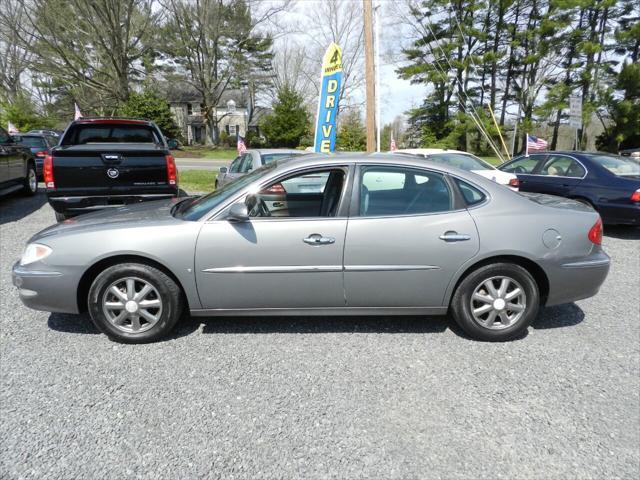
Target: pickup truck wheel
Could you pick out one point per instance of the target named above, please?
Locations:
(31, 181)
(496, 302)
(134, 303)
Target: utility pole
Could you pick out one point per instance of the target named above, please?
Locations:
(369, 76)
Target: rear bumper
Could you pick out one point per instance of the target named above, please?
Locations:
(46, 289)
(578, 279)
(620, 214)
(84, 204)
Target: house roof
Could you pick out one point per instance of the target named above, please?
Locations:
(185, 93)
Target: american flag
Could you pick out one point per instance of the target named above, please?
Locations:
(535, 143)
(393, 147)
(242, 148)
(77, 114)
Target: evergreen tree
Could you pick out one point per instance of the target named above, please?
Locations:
(352, 136)
(149, 106)
(289, 122)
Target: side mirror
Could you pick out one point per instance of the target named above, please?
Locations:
(238, 212)
(223, 170)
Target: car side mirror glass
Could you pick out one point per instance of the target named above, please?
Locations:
(223, 170)
(239, 212)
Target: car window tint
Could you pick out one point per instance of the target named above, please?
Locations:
(33, 142)
(235, 165)
(247, 163)
(460, 160)
(311, 183)
(472, 195)
(270, 157)
(308, 194)
(561, 166)
(618, 165)
(402, 191)
(522, 165)
(87, 134)
(4, 137)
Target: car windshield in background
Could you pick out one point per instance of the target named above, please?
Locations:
(270, 157)
(87, 134)
(461, 161)
(194, 209)
(618, 165)
(33, 142)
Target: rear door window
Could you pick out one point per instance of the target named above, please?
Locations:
(388, 191)
(33, 142)
(561, 166)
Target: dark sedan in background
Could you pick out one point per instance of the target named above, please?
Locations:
(40, 145)
(609, 183)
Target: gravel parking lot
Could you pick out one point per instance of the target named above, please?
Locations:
(321, 397)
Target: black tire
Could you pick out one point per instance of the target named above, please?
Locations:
(60, 217)
(168, 292)
(30, 183)
(461, 304)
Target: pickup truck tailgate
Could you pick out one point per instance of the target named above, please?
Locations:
(109, 168)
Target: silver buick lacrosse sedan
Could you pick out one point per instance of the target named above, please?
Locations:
(372, 235)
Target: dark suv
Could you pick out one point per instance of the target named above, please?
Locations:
(108, 162)
(17, 166)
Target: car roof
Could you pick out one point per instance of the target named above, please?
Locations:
(430, 151)
(276, 150)
(111, 121)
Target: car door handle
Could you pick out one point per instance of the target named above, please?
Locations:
(317, 239)
(454, 237)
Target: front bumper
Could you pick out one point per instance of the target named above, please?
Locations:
(578, 279)
(44, 289)
(84, 204)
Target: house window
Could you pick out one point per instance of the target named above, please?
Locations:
(226, 128)
(189, 109)
(232, 129)
(231, 106)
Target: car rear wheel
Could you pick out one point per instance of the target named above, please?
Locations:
(496, 302)
(134, 303)
(31, 181)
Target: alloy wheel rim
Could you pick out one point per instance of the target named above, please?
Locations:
(33, 180)
(498, 303)
(132, 305)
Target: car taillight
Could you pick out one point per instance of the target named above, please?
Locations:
(635, 196)
(514, 182)
(172, 172)
(47, 172)
(595, 234)
(42, 153)
(277, 188)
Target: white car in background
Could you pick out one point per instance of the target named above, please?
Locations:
(466, 161)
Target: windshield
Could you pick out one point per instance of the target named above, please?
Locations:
(461, 161)
(35, 142)
(618, 165)
(194, 209)
(270, 157)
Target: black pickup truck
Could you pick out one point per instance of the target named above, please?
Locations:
(108, 162)
(17, 166)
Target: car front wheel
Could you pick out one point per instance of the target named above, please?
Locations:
(134, 303)
(496, 302)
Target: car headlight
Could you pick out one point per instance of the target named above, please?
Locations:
(34, 252)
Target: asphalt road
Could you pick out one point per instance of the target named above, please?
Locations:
(255, 398)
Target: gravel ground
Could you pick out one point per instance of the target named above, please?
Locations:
(390, 398)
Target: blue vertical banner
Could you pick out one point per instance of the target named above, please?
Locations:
(326, 121)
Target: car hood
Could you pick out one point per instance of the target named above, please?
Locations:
(497, 176)
(128, 216)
